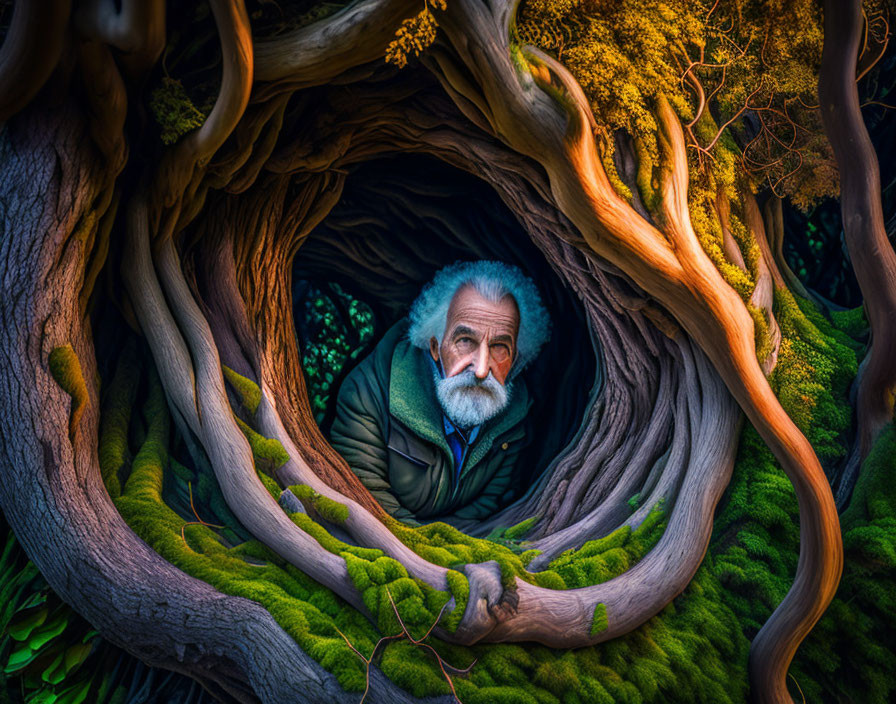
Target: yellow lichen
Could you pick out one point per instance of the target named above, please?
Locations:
(66, 370)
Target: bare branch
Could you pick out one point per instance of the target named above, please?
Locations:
(312, 55)
(197, 148)
(870, 251)
(30, 51)
(236, 83)
(137, 29)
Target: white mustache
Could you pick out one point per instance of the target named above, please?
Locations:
(468, 400)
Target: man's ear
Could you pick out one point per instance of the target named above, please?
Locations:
(434, 348)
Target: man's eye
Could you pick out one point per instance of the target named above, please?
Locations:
(500, 351)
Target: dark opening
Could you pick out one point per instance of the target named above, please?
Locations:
(400, 220)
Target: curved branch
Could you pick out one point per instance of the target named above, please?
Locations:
(137, 29)
(30, 51)
(314, 54)
(197, 148)
(872, 256)
(646, 588)
(683, 278)
(210, 417)
(236, 82)
(52, 493)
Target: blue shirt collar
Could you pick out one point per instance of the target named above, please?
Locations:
(469, 435)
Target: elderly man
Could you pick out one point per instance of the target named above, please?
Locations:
(433, 421)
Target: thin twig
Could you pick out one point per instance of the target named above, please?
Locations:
(426, 645)
(368, 661)
(443, 666)
(198, 521)
(798, 687)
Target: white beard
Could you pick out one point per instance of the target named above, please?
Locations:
(469, 402)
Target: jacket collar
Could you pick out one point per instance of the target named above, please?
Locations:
(413, 402)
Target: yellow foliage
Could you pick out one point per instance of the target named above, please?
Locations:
(756, 57)
(414, 34)
(618, 52)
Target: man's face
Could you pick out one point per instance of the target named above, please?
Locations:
(477, 352)
(479, 335)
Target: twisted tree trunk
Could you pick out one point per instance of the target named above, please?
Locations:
(872, 255)
(208, 281)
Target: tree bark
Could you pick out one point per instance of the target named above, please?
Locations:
(677, 341)
(872, 255)
(52, 494)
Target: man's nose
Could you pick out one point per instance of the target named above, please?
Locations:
(481, 362)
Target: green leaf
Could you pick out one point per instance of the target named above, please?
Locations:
(74, 694)
(54, 673)
(39, 597)
(43, 696)
(50, 630)
(77, 654)
(24, 622)
(19, 658)
(89, 636)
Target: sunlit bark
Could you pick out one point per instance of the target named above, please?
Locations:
(208, 283)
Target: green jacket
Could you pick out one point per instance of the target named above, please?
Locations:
(389, 429)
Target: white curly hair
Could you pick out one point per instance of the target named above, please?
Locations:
(493, 281)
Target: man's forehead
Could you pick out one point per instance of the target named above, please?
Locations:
(470, 308)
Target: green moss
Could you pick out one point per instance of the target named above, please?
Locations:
(412, 669)
(599, 621)
(854, 644)
(174, 112)
(328, 542)
(520, 529)
(600, 560)
(385, 587)
(517, 57)
(115, 418)
(606, 150)
(708, 228)
(460, 590)
(593, 563)
(852, 321)
(268, 452)
(816, 365)
(528, 555)
(66, 370)
(326, 508)
(648, 185)
(761, 332)
(269, 484)
(248, 391)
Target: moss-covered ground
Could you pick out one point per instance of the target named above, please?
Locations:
(158, 500)
(694, 650)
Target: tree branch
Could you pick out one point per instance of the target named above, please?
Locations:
(872, 256)
(314, 54)
(137, 29)
(30, 52)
